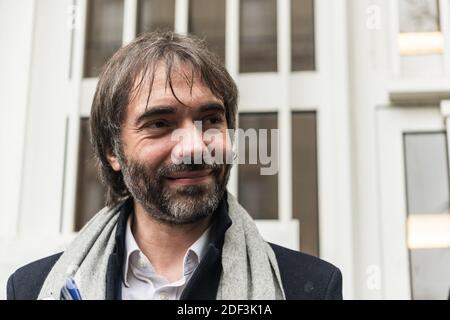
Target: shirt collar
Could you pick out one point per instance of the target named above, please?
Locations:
(130, 247)
(196, 252)
(191, 260)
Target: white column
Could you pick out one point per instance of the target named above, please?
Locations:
(338, 227)
(74, 114)
(232, 64)
(14, 86)
(48, 105)
(129, 21)
(284, 114)
(370, 67)
(181, 16)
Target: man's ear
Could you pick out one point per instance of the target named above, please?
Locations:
(113, 161)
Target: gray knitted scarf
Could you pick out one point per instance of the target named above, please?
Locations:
(250, 270)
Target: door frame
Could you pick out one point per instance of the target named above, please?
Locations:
(391, 124)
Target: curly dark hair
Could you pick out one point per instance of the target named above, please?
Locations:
(122, 78)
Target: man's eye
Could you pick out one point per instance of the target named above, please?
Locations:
(157, 124)
(213, 120)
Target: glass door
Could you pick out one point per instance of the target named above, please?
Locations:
(415, 213)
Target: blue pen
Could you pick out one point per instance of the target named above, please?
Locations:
(70, 290)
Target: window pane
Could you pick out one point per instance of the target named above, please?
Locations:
(304, 179)
(428, 221)
(302, 34)
(207, 20)
(258, 193)
(419, 15)
(427, 173)
(103, 34)
(430, 273)
(258, 36)
(90, 192)
(155, 14)
(420, 40)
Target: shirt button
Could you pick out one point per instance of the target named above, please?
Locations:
(164, 296)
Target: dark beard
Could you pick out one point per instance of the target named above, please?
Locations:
(177, 204)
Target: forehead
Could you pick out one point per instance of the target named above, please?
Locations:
(185, 88)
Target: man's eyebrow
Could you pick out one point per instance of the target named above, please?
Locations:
(165, 110)
(155, 111)
(213, 106)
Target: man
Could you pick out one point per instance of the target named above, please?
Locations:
(170, 230)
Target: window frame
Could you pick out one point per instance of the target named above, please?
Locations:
(403, 88)
(392, 123)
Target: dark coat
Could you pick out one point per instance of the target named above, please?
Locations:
(303, 276)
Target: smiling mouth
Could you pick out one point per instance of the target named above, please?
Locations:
(190, 177)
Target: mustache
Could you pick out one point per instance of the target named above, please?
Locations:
(173, 168)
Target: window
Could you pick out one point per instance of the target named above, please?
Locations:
(155, 15)
(207, 20)
(104, 26)
(90, 192)
(305, 180)
(420, 41)
(258, 36)
(428, 220)
(257, 193)
(302, 35)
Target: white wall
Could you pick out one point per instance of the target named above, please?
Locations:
(15, 56)
(34, 62)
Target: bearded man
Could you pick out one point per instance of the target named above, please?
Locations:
(170, 229)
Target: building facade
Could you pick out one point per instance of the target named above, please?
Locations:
(358, 90)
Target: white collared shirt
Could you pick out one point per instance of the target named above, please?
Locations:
(140, 280)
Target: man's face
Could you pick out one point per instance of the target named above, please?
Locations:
(173, 192)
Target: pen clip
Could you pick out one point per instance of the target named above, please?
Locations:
(70, 290)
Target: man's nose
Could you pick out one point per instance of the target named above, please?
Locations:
(190, 146)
